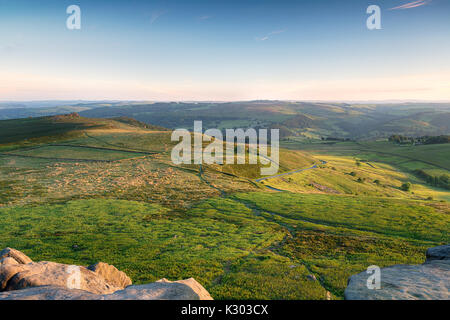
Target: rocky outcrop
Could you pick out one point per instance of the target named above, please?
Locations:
(162, 290)
(8, 260)
(47, 293)
(428, 281)
(18, 256)
(196, 287)
(111, 274)
(23, 279)
(153, 291)
(438, 253)
(21, 276)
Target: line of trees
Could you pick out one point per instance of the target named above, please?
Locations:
(442, 181)
(335, 139)
(419, 140)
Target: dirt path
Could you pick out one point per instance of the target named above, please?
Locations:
(55, 159)
(73, 159)
(316, 166)
(290, 173)
(202, 178)
(290, 233)
(99, 148)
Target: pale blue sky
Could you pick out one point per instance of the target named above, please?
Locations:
(224, 50)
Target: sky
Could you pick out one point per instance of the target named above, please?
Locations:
(203, 50)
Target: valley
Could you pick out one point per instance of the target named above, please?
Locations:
(78, 190)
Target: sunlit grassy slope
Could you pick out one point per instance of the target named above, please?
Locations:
(46, 128)
(108, 158)
(253, 245)
(342, 175)
(121, 200)
(390, 164)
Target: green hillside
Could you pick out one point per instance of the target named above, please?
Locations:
(301, 120)
(59, 127)
(80, 190)
(249, 246)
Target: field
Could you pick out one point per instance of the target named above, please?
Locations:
(106, 190)
(247, 246)
(301, 120)
(380, 161)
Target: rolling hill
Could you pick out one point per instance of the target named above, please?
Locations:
(78, 190)
(298, 120)
(295, 119)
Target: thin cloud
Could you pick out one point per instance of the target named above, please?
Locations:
(276, 32)
(205, 17)
(411, 5)
(269, 35)
(155, 15)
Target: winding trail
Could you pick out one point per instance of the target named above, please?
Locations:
(290, 173)
(202, 178)
(120, 147)
(316, 166)
(55, 159)
(100, 148)
(12, 154)
(290, 233)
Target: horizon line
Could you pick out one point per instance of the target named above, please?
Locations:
(228, 101)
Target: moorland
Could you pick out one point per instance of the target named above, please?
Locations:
(100, 185)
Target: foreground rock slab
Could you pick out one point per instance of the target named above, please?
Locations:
(20, 257)
(183, 290)
(21, 276)
(111, 274)
(23, 279)
(428, 281)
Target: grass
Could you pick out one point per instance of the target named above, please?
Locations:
(126, 175)
(435, 154)
(43, 129)
(151, 179)
(426, 155)
(337, 236)
(233, 246)
(240, 240)
(288, 160)
(391, 217)
(69, 152)
(334, 257)
(35, 131)
(341, 175)
(384, 161)
(146, 241)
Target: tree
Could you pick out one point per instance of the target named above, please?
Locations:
(406, 186)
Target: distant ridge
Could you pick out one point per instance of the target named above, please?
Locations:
(59, 127)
